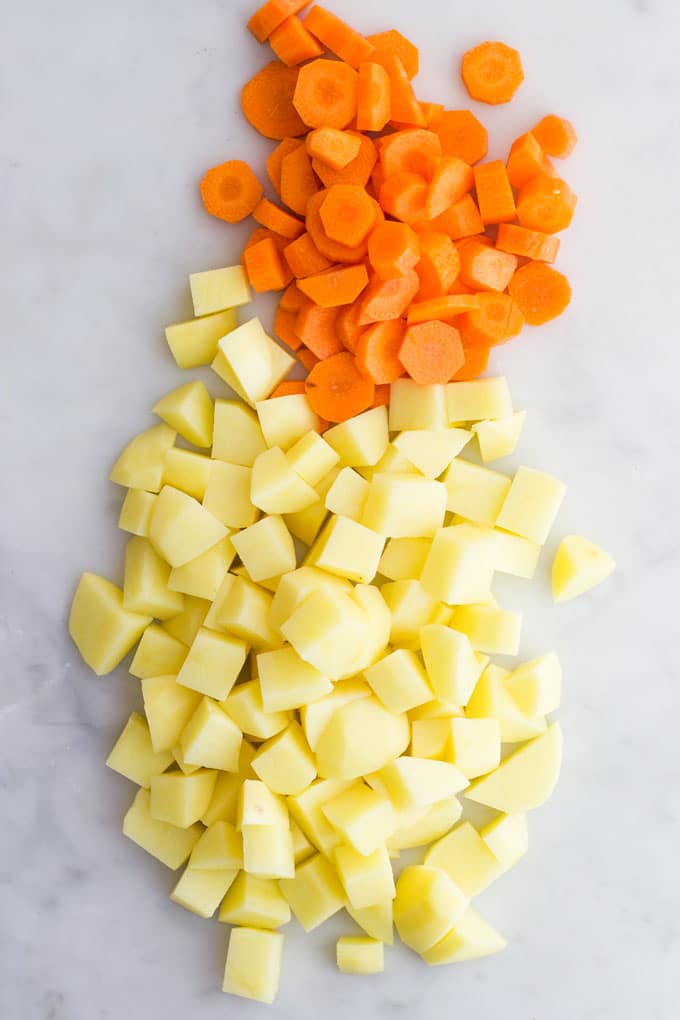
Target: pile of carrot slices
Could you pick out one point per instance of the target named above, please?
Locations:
(397, 249)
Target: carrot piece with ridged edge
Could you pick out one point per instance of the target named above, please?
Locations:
(451, 180)
(358, 171)
(348, 328)
(262, 234)
(484, 267)
(284, 327)
(462, 135)
(341, 285)
(298, 180)
(326, 94)
(476, 362)
(264, 266)
(388, 299)
(492, 72)
(495, 200)
(405, 108)
(374, 97)
(332, 147)
(392, 41)
(338, 37)
(316, 328)
(546, 204)
(277, 219)
(272, 14)
(337, 390)
(403, 196)
(275, 160)
(540, 292)
(433, 112)
(526, 159)
(333, 250)
(432, 352)
(377, 352)
(267, 102)
(415, 150)
(304, 258)
(393, 249)
(230, 191)
(438, 267)
(293, 43)
(496, 320)
(557, 136)
(443, 308)
(530, 244)
(347, 214)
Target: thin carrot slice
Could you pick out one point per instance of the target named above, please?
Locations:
(405, 107)
(492, 72)
(284, 327)
(443, 308)
(526, 159)
(348, 328)
(540, 292)
(484, 267)
(403, 196)
(377, 352)
(557, 136)
(293, 43)
(476, 362)
(267, 102)
(461, 220)
(298, 180)
(452, 179)
(337, 390)
(382, 396)
(333, 250)
(432, 352)
(462, 135)
(438, 267)
(393, 41)
(433, 112)
(496, 320)
(333, 148)
(306, 358)
(272, 14)
(347, 214)
(338, 37)
(358, 171)
(292, 299)
(326, 94)
(277, 219)
(304, 258)
(374, 97)
(388, 299)
(264, 266)
(288, 388)
(414, 150)
(393, 249)
(546, 203)
(316, 328)
(230, 191)
(335, 287)
(530, 244)
(275, 160)
(495, 199)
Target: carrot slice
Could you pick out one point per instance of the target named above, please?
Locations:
(272, 14)
(476, 362)
(393, 41)
(275, 160)
(293, 43)
(546, 204)
(405, 107)
(432, 352)
(284, 327)
(326, 94)
(333, 250)
(288, 388)
(388, 299)
(530, 244)
(462, 135)
(461, 220)
(306, 358)
(393, 249)
(494, 195)
(304, 258)
(540, 292)
(377, 352)
(338, 37)
(230, 191)
(347, 214)
(526, 159)
(264, 266)
(267, 102)
(374, 97)
(315, 327)
(348, 328)
(277, 219)
(335, 287)
(492, 72)
(414, 150)
(261, 234)
(484, 267)
(298, 180)
(496, 320)
(337, 390)
(403, 195)
(433, 112)
(557, 136)
(358, 171)
(292, 299)
(438, 267)
(442, 308)
(452, 179)
(333, 148)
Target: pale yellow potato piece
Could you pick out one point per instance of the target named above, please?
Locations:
(419, 782)
(491, 630)
(224, 803)
(315, 893)
(133, 755)
(219, 848)
(211, 738)
(411, 609)
(266, 549)
(296, 586)
(135, 513)
(285, 762)
(253, 967)
(186, 625)
(315, 715)
(525, 779)
(420, 826)
(416, 407)
(361, 737)
(312, 458)
(366, 879)
(237, 436)
(287, 681)
(476, 493)
(213, 664)
(492, 700)
(532, 504)
(194, 343)
(180, 799)
(363, 817)
(460, 565)
(306, 809)
(347, 494)
(145, 582)
(376, 920)
(355, 954)
(275, 486)
(257, 805)
(377, 625)
(474, 745)
(392, 462)
(450, 662)
(507, 837)
(400, 681)
(284, 420)
(327, 630)
(227, 495)
(268, 851)
(181, 529)
(202, 891)
(478, 399)
(514, 555)
(186, 768)
(432, 450)
(471, 939)
(362, 440)
(187, 471)
(189, 410)
(427, 905)
(203, 576)
(536, 686)
(430, 738)
(404, 506)
(256, 361)
(499, 438)
(404, 558)
(347, 549)
(466, 859)
(579, 566)
(100, 626)
(254, 901)
(217, 289)
(306, 524)
(167, 843)
(168, 708)
(140, 465)
(302, 848)
(244, 705)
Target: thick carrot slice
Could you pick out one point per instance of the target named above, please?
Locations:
(540, 292)
(293, 43)
(261, 234)
(264, 266)
(388, 299)
(326, 94)
(393, 41)
(461, 220)
(530, 244)
(433, 112)
(438, 267)
(348, 327)
(377, 352)
(405, 107)
(333, 250)
(298, 180)
(414, 150)
(335, 287)
(347, 214)
(556, 135)
(484, 267)
(284, 327)
(495, 199)
(403, 195)
(339, 38)
(374, 97)
(288, 388)
(492, 72)
(496, 320)
(277, 219)
(275, 160)
(546, 203)
(267, 102)
(230, 191)
(337, 390)
(272, 14)
(462, 135)
(443, 308)
(316, 328)
(526, 159)
(393, 249)
(452, 179)
(333, 148)
(432, 352)
(306, 358)
(292, 299)
(476, 362)
(358, 171)
(304, 258)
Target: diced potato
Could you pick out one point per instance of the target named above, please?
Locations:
(355, 954)
(202, 891)
(362, 817)
(475, 745)
(294, 589)
(284, 420)
(376, 921)
(366, 879)
(133, 755)
(361, 737)
(315, 893)
(326, 630)
(507, 836)
(237, 436)
(417, 407)
(187, 471)
(492, 700)
(315, 715)
(459, 566)
(186, 768)
(255, 901)
(400, 681)
(256, 361)
(276, 487)
(268, 851)
(227, 495)
(475, 492)
(404, 506)
(312, 458)
(578, 566)
(224, 803)
(427, 905)
(203, 576)
(347, 549)
(377, 625)
(145, 583)
(213, 664)
(211, 738)
(404, 558)
(181, 529)
(430, 738)
(436, 709)
(525, 779)
(496, 631)
(347, 494)
(219, 848)
(472, 938)
(244, 705)
(531, 504)
(194, 343)
(287, 681)
(189, 411)
(499, 438)
(411, 608)
(465, 858)
(306, 524)
(432, 450)
(536, 686)
(302, 848)
(392, 462)
(285, 762)
(253, 967)
(361, 441)
(450, 662)
(515, 555)
(101, 628)
(419, 782)
(478, 400)
(140, 465)
(135, 513)
(217, 289)
(257, 805)
(186, 625)
(167, 843)
(421, 825)
(168, 708)
(179, 799)
(244, 612)
(306, 810)
(266, 549)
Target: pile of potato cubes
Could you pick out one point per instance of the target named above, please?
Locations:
(315, 620)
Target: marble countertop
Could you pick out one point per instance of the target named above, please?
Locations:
(109, 113)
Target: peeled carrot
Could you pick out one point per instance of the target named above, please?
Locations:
(264, 266)
(526, 159)
(284, 327)
(494, 194)
(530, 244)
(496, 320)
(414, 150)
(292, 299)
(298, 180)
(333, 250)
(540, 292)
(546, 203)
(335, 287)
(556, 135)
(261, 234)
(333, 148)
(452, 179)
(405, 107)
(484, 267)
(267, 102)
(347, 214)
(277, 219)
(337, 390)
(304, 258)
(438, 267)
(358, 171)
(492, 72)
(476, 362)
(393, 41)
(348, 328)
(230, 191)
(326, 94)
(338, 37)
(388, 299)
(393, 249)
(377, 353)
(293, 43)
(443, 308)
(272, 14)
(307, 359)
(275, 160)
(288, 388)
(462, 135)
(461, 220)
(432, 352)
(374, 97)
(403, 195)
(315, 327)
(433, 112)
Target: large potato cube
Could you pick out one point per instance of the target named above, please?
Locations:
(411, 609)
(416, 407)
(499, 438)
(257, 805)
(312, 458)
(186, 625)
(227, 495)
(315, 893)
(213, 664)
(135, 513)
(253, 965)
(578, 566)
(465, 858)
(360, 738)
(256, 361)
(133, 755)
(404, 558)
(179, 799)
(306, 809)
(211, 738)
(237, 436)
(284, 420)
(399, 681)
(419, 782)
(194, 343)
(219, 848)
(525, 779)
(315, 715)
(203, 576)
(276, 487)
(478, 400)
(363, 817)
(459, 566)
(367, 879)
(347, 494)
(356, 954)
(427, 905)
(404, 506)
(187, 471)
(347, 549)
(168, 708)
(244, 612)
(202, 891)
(507, 837)
(432, 450)
(244, 705)
(100, 626)
(362, 440)
(531, 504)
(491, 630)
(268, 851)
(287, 681)
(376, 921)
(140, 465)
(217, 289)
(327, 630)
(254, 901)
(536, 686)
(475, 745)
(474, 492)
(188, 410)
(471, 939)
(145, 582)
(492, 700)
(285, 762)
(167, 843)
(181, 529)
(420, 826)
(266, 549)
(450, 662)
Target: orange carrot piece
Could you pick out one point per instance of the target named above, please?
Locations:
(388, 299)
(484, 267)
(348, 328)
(333, 250)
(316, 328)
(288, 388)
(304, 258)
(306, 358)
(458, 287)
(540, 292)
(393, 41)
(530, 244)
(432, 352)
(333, 148)
(438, 267)
(298, 180)
(461, 220)
(403, 196)
(275, 160)
(374, 97)
(292, 299)
(261, 233)
(377, 352)
(358, 171)
(443, 308)
(338, 37)
(462, 135)
(277, 219)
(414, 150)
(495, 199)
(326, 94)
(335, 287)
(230, 191)
(337, 390)
(546, 204)
(496, 320)
(393, 249)
(405, 108)
(293, 43)
(272, 14)
(433, 112)
(556, 135)
(492, 72)
(347, 214)
(264, 266)
(452, 179)
(383, 393)
(476, 362)
(267, 102)
(526, 159)
(284, 327)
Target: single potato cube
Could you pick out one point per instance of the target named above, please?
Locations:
(185, 626)
(465, 858)
(460, 565)
(416, 407)
(275, 486)
(140, 465)
(135, 513)
(211, 619)
(287, 681)
(253, 967)
(213, 664)
(525, 779)
(245, 613)
(404, 558)
(296, 586)
(255, 901)
(179, 799)
(201, 892)
(432, 450)
(536, 686)
(578, 566)
(411, 609)
(285, 762)
(312, 458)
(507, 837)
(219, 848)
(361, 737)
(499, 438)
(367, 880)
(514, 555)
(187, 471)
(257, 805)
(531, 505)
(399, 681)
(186, 768)
(268, 851)
(194, 343)
(217, 289)
(450, 662)
(404, 506)
(419, 782)
(181, 529)
(315, 715)
(478, 400)
(203, 576)
(167, 843)
(430, 738)
(285, 420)
(362, 440)
(257, 362)
(347, 495)
(168, 708)
(327, 630)
(145, 582)
(306, 809)
(427, 905)
(188, 410)
(133, 755)
(224, 803)
(491, 630)
(244, 705)
(476, 493)
(471, 939)
(492, 700)
(422, 825)
(100, 626)
(237, 436)
(357, 955)
(227, 495)
(474, 745)
(376, 921)
(315, 893)
(362, 817)
(211, 738)
(347, 549)
(266, 549)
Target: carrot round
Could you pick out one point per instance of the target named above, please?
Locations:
(298, 180)
(484, 267)
(304, 258)
(326, 94)
(393, 249)
(357, 171)
(374, 97)
(265, 268)
(284, 327)
(438, 267)
(492, 72)
(443, 308)
(337, 390)
(393, 41)
(332, 147)
(293, 43)
(275, 160)
(230, 191)
(432, 352)
(433, 112)
(347, 214)
(338, 37)
(451, 180)
(556, 135)
(530, 244)
(540, 292)
(526, 159)
(277, 219)
(546, 204)
(403, 196)
(495, 199)
(271, 14)
(348, 329)
(377, 353)
(333, 250)
(476, 362)
(267, 102)
(335, 287)
(462, 135)
(496, 320)
(388, 299)
(315, 327)
(414, 150)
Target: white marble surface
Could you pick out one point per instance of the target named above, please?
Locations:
(108, 113)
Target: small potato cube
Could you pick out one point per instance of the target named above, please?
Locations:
(419, 782)
(194, 343)
(499, 438)
(348, 549)
(459, 566)
(360, 738)
(253, 967)
(531, 504)
(268, 851)
(404, 506)
(213, 664)
(285, 420)
(257, 805)
(219, 848)
(133, 755)
(514, 555)
(255, 901)
(471, 939)
(411, 608)
(296, 586)
(227, 495)
(491, 630)
(145, 582)
(347, 494)
(237, 436)
(312, 458)
(256, 361)
(287, 681)
(140, 465)
(361, 441)
(507, 837)
(427, 905)
(100, 626)
(315, 893)
(536, 686)
(465, 858)
(306, 524)
(355, 954)
(475, 492)
(525, 779)
(450, 662)
(578, 566)
(478, 400)
(327, 630)
(244, 706)
(211, 738)
(275, 486)
(420, 826)
(475, 745)
(314, 715)
(432, 450)
(217, 289)
(376, 921)
(399, 681)
(285, 762)
(306, 809)
(185, 626)
(167, 843)
(179, 799)
(203, 576)
(187, 471)
(362, 817)
(168, 708)
(492, 700)
(367, 880)
(430, 738)
(181, 529)
(202, 891)
(266, 549)
(135, 513)
(189, 410)
(404, 558)
(417, 407)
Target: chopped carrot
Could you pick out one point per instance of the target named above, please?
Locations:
(484, 267)
(433, 112)
(374, 97)
(284, 327)
(540, 292)
(230, 191)
(388, 299)
(458, 287)
(272, 14)
(526, 159)
(348, 327)
(264, 266)
(333, 148)
(393, 249)
(476, 362)
(337, 390)
(414, 150)
(292, 299)
(326, 94)
(492, 72)
(333, 250)
(293, 43)
(358, 171)
(546, 203)
(403, 195)
(438, 267)
(452, 179)
(304, 258)
(298, 180)
(347, 214)
(267, 102)
(556, 135)
(377, 352)
(530, 244)
(443, 308)
(288, 388)
(405, 107)
(496, 320)
(494, 195)
(307, 359)
(334, 287)
(432, 352)
(261, 234)
(382, 395)
(393, 41)
(316, 328)
(462, 135)
(461, 220)
(277, 219)
(338, 37)
(275, 160)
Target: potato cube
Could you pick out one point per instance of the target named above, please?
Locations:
(257, 805)
(416, 407)
(167, 843)
(507, 837)
(404, 558)
(181, 529)
(475, 745)
(203, 576)
(276, 488)
(312, 458)
(186, 625)
(315, 893)
(578, 566)
(531, 504)
(404, 506)
(100, 626)
(399, 681)
(266, 549)
(302, 848)
(419, 782)
(315, 715)
(492, 700)
(268, 851)
(213, 664)
(536, 686)
(187, 471)
(432, 450)
(211, 738)
(135, 513)
(427, 905)
(420, 826)
(478, 400)
(287, 681)
(179, 799)
(347, 494)
(306, 809)
(285, 420)
(133, 755)
(474, 492)
(244, 612)
(219, 848)
(496, 631)
(294, 589)
(499, 438)
(376, 920)
(140, 465)
(366, 879)
(168, 708)
(254, 901)
(347, 549)
(256, 361)
(194, 343)
(450, 662)
(224, 803)
(465, 858)
(411, 608)
(327, 630)
(471, 939)
(459, 566)
(361, 441)
(189, 411)
(306, 524)
(244, 706)
(217, 289)
(525, 779)
(362, 817)
(237, 436)
(253, 967)
(202, 891)
(285, 762)
(227, 495)
(186, 768)
(145, 584)
(377, 625)
(355, 954)
(361, 737)
(514, 555)
(430, 738)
